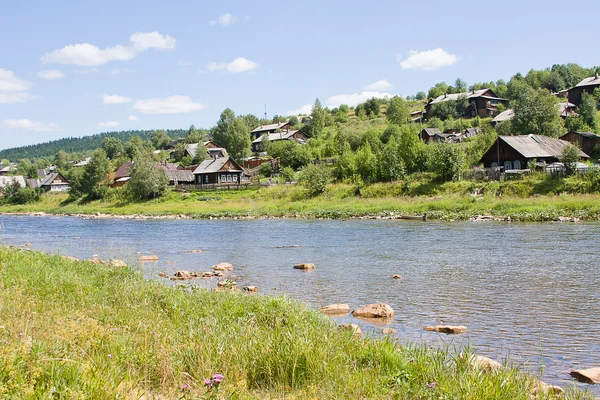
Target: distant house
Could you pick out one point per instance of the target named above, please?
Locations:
(55, 182)
(514, 152)
(122, 175)
(220, 171)
(432, 135)
(503, 117)
(5, 170)
(588, 85)
(9, 180)
(270, 128)
(213, 149)
(566, 109)
(297, 135)
(483, 102)
(83, 162)
(180, 177)
(586, 141)
(416, 116)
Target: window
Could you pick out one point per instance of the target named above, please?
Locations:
(494, 165)
(229, 179)
(507, 165)
(223, 178)
(517, 164)
(205, 178)
(235, 178)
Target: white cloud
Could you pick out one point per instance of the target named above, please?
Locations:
(428, 60)
(305, 109)
(50, 74)
(13, 89)
(379, 85)
(355, 98)
(133, 118)
(117, 71)
(115, 99)
(225, 20)
(108, 124)
(169, 105)
(238, 65)
(89, 55)
(28, 125)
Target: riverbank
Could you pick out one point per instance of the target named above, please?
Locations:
(454, 201)
(78, 329)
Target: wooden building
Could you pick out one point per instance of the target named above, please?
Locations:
(586, 141)
(432, 135)
(270, 128)
(213, 149)
(55, 182)
(483, 102)
(297, 135)
(514, 152)
(122, 175)
(219, 171)
(588, 85)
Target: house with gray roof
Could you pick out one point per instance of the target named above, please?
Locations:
(9, 180)
(296, 135)
(588, 85)
(213, 149)
(218, 171)
(269, 128)
(55, 182)
(483, 102)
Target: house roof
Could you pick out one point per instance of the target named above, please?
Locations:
(505, 116)
(562, 108)
(33, 183)
(123, 170)
(83, 162)
(269, 127)
(214, 165)
(537, 146)
(591, 81)
(432, 131)
(276, 136)
(180, 175)
(590, 135)
(48, 179)
(8, 180)
(192, 149)
(468, 95)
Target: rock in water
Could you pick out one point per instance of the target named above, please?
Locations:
(590, 376)
(222, 267)
(353, 327)
(484, 363)
(147, 258)
(117, 263)
(335, 309)
(380, 310)
(250, 288)
(396, 276)
(183, 274)
(447, 329)
(304, 266)
(163, 275)
(388, 331)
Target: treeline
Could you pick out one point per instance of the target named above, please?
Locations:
(85, 144)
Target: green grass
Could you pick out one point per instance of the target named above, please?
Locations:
(535, 198)
(81, 330)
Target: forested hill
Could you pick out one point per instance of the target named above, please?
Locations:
(77, 144)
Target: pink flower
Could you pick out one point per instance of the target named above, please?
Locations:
(217, 378)
(411, 360)
(208, 383)
(431, 385)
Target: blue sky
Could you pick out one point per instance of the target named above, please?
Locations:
(75, 68)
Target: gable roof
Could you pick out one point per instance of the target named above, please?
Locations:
(8, 180)
(563, 108)
(468, 95)
(123, 170)
(269, 127)
(48, 179)
(277, 136)
(590, 135)
(504, 116)
(591, 81)
(180, 175)
(432, 131)
(538, 146)
(214, 165)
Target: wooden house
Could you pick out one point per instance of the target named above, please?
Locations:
(483, 102)
(122, 175)
(180, 177)
(219, 171)
(515, 152)
(586, 141)
(432, 135)
(55, 182)
(270, 128)
(588, 85)
(9, 180)
(503, 117)
(297, 135)
(213, 149)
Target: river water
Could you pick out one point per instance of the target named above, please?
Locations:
(527, 292)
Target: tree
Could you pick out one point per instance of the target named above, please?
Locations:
(317, 115)
(160, 139)
(93, 182)
(315, 178)
(148, 180)
(287, 174)
(438, 90)
(233, 133)
(535, 112)
(345, 168)
(569, 157)
(553, 82)
(460, 85)
(193, 136)
(112, 146)
(251, 121)
(366, 164)
(371, 107)
(26, 168)
(411, 148)
(391, 167)
(266, 170)
(446, 160)
(588, 110)
(135, 146)
(420, 96)
(397, 112)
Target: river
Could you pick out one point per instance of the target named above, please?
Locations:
(529, 292)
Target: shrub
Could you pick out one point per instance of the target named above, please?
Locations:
(315, 178)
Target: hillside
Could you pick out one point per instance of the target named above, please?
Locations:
(76, 144)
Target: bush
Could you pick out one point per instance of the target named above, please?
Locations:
(315, 178)
(288, 174)
(266, 170)
(446, 160)
(148, 180)
(26, 195)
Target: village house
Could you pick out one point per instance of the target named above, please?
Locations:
(588, 142)
(515, 152)
(270, 128)
(219, 171)
(122, 175)
(295, 135)
(588, 85)
(483, 102)
(213, 149)
(180, 177)
(432, 135)
(55, 182)
(5, 170)
(9, 180)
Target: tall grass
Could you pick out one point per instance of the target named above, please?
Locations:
(80, 330)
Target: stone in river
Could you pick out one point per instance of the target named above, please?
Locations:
(117, 263)
(335, 309)
(484, 364)
(163, 275)
(250, 288)
(147, 258)
(396, 276)
(447, 329)
(380, 310)
(545, 389)
(388, 331)
(183, 274)
(353, 327)
(304, 266)
(222, 267)
(590, 375)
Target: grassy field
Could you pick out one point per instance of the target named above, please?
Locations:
(73, 329)
(532, 199)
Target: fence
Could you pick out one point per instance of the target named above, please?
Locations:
(215, 186)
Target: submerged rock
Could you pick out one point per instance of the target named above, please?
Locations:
(183, 274)
(222, 267)
(379, 310)
(147, 258)
(590, 375)
(388, 331)
(447, 329)
(352, 327)
(304, 266)
(163, 275)
(117, 263)
(396, 276)
(250, 288)
(335, 309)
(484, 364)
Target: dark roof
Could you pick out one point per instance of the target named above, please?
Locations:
(269, 127)
(123, 170)
(214, 165)
(590, 135)
(468, 95)
(33, 183)
(180, 175)
(591, 81)
(432, 131)
(277, 136)
(48, 179)
(538, 146)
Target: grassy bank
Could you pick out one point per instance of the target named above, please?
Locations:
(532, 199)
(80, 330)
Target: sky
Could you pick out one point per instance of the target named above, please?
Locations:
(76, 68)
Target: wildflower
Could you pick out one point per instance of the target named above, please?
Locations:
(411, 360)
(431, 385)
(184, 387)
(217, 378)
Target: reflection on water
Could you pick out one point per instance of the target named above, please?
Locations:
(528, 291)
